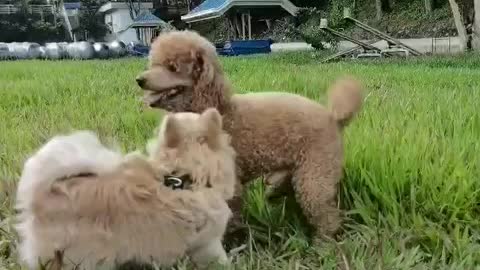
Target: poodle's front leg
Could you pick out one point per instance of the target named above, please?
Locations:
(236, 232)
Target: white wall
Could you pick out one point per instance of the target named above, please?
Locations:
(118, 16)
(119, 19)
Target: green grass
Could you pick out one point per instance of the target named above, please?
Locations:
(412, 167)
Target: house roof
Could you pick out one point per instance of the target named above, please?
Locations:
(211, 9)
(146, 19)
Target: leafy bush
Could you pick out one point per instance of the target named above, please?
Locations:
(309, 20)
(22, 26)
(310, 30)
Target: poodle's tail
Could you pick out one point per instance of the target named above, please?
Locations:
(345, 100)
(63, 156)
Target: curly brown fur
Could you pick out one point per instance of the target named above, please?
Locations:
(83, 204)
(271, 132)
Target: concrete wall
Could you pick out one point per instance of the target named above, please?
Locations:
(450, 45)
(119, 19)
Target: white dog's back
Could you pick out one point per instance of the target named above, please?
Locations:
(62, 156)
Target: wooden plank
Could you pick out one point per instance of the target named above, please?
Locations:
(378, 33)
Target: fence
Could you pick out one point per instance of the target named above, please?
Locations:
(34, 9)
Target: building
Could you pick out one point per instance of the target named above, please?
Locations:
(118, 19)
(148, 27)
(240, 13)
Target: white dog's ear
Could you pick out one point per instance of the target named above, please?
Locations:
(213, 122)
(171, 132)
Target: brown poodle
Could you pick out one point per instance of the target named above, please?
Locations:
(284, 135)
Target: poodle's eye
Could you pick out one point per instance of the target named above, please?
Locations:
(171, 67)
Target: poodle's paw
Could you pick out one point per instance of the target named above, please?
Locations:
(277, 184)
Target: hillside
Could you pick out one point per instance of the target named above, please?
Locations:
(406, 19)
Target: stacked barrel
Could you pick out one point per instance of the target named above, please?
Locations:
(63, 50)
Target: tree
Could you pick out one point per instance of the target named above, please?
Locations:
(467, 21)
(429, 6)
(476, 26)
(90, 19)
(378, 7)
(457, 18)
(134, 8)
(381, 6)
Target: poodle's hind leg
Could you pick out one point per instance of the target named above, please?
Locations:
(210, 254)
(315, 182)
(277, 184)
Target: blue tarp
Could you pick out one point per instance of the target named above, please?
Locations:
(243, 47)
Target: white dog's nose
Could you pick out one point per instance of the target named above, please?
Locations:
(140, 80)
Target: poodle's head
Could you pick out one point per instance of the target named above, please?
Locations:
(184, 74)
(194, 148)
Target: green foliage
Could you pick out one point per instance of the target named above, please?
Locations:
(24, 26)
(309, 29)
(309, 20)
(320, 4)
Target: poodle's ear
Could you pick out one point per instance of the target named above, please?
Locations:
(203, 71)
(171, 132)
(213, 122)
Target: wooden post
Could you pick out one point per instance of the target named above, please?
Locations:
(243, 26)
(214, 29)
(149, 38)
(231, 29)
(237, 26)
(249, 26)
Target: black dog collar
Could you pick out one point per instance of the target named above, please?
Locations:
(173, 182)
(177, 182)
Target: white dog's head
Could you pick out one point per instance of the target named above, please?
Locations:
(194, 148)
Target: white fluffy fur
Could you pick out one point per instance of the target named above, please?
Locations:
(62, 156)
(172, 225)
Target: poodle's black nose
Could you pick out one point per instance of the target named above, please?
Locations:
(140, 81)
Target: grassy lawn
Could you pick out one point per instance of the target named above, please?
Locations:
(412, 168)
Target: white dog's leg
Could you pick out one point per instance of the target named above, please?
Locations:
(209, 253)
